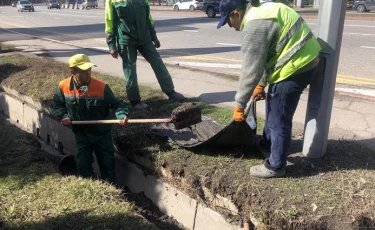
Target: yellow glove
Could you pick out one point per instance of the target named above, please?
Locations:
(238, 114)
(259, 93)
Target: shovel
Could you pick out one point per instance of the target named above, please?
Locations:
(183, 116)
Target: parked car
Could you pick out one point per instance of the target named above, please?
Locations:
(364, 6)
(350, 4)
(25, 5)
(14, 4)
(200, 6)
(211, 7)
(186, 5)
(89, 4)
(53, 4)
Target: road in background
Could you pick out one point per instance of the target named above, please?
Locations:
(188, 39)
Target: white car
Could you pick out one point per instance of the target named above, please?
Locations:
(25, 5)
(186, 5)
(89, 4)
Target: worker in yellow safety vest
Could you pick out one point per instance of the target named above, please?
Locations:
(278, 48)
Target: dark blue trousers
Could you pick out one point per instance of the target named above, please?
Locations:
(281, 104)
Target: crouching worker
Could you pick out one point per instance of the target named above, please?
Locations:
(82, 97)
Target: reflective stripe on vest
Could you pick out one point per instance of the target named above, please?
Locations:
(290, 53)
(293, 37)
(289, 34)
(95, 90)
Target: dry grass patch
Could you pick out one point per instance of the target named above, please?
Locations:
(34, 196)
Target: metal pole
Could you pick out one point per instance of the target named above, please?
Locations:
(322, 89)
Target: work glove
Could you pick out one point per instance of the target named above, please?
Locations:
(238, 114)
(258, 93)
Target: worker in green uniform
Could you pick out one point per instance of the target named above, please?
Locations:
(129, 28)
(81, 97)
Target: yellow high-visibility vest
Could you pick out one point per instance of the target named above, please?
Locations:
(295, 47)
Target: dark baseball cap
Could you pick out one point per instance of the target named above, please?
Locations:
(226, 7)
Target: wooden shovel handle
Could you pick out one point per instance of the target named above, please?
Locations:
(132, 121)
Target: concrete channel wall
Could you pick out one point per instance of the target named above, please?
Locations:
(35, 119)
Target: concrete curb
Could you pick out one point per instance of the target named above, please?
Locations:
(34, 119)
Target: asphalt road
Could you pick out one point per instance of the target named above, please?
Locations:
(190, 39)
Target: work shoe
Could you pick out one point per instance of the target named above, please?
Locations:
(139, 105)
(175, 96)
(261, 171)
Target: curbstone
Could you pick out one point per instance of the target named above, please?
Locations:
(171, 201)
(208, 219)
(129, 175)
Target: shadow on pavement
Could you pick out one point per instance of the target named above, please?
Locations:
(218, 97)
(165, 53)
(196, 51)
(92, 31)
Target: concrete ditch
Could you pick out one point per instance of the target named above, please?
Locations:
(191, 213)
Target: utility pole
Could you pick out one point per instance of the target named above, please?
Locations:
(322, 89)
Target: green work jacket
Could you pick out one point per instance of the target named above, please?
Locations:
(128, 22)
(92, 101)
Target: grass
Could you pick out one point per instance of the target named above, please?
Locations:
(7, 48)
(34, 196)
(334, 192)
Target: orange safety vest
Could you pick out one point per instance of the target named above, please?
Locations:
(95, 90)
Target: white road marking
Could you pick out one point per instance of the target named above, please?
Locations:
(228, 44)
(368, 47)
(57, 18)
(191, 31)
(366, 92)
(361, 26)
(78, 20)
(76, 15)
(206, 64)
(359, 34)
(101, 48)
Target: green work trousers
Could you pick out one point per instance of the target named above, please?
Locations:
(104, 152)
(128, 54)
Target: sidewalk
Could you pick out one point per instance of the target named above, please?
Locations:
(352, 118)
